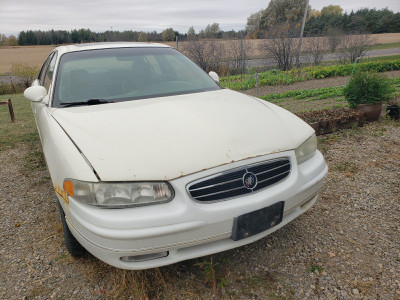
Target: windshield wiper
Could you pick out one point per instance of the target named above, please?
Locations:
(87, 102)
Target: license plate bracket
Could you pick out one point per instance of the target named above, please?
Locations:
(257, 221)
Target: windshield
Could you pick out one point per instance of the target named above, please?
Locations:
(121, 74)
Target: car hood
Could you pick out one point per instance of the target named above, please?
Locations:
(169, 137)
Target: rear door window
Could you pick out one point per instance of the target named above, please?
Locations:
(48, 77)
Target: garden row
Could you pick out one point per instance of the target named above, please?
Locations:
(344, 107)
(277, 77)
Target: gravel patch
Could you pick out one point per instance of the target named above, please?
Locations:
(346, 246)
(9, 79)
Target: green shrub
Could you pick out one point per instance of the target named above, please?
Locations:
(345, 70)
(365, 87)
(26, 72)
(8, 88)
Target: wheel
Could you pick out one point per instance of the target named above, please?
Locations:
(73, 246)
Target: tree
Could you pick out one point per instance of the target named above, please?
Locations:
(12, 41)
(212, 31)
(315, 48)
(168, 35)
(254, 22)
(332, 10)
(3, 39)
(8, 41)
(313, 13)
(280, 44)
(283, 11)
(31, 38)
(237, 55)
(191, 34)
(334, 38)
(353, 46)
(142, 37)
(206, 54)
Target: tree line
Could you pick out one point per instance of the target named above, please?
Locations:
(56, 37)
(318, 22)
(363, 20)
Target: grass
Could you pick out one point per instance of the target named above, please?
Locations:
(314, 94)
(309, 99)
(384, 46)
(23, 130)
(383, 58)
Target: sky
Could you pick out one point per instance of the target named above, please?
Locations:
(145, 15)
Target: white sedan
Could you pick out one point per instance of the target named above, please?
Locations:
(153, 163)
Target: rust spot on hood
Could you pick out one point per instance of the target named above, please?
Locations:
(62, 193)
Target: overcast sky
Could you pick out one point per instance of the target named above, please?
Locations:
(146, 15)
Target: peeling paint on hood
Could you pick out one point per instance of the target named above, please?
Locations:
(169, 137)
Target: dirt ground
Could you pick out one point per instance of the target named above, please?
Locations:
(345, 247)
(36, 55)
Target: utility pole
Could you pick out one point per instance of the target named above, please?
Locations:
(241, 57)
(301, 35)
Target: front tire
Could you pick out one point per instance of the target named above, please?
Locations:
(73, 246)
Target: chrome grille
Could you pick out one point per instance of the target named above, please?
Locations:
(231, 184)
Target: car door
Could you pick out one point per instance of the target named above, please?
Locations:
(42, 110)
(62, 157)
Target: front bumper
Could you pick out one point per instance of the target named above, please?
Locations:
(184, 229)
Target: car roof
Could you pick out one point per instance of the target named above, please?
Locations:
(107, 45)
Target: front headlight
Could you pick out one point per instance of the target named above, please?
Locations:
(307, 149)
(119, 195)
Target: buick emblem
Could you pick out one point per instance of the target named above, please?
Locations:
(249, 180)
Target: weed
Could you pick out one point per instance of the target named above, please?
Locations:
(259, 281)
(37, 291)
(62, 256)
(213, 272)
(314, 268)
(324, 149)
(346, 167)
(143, 284)
(34, 160)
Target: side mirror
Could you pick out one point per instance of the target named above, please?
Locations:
(214, 76)
(35, 93)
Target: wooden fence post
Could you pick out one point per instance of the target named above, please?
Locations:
(10, 108)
